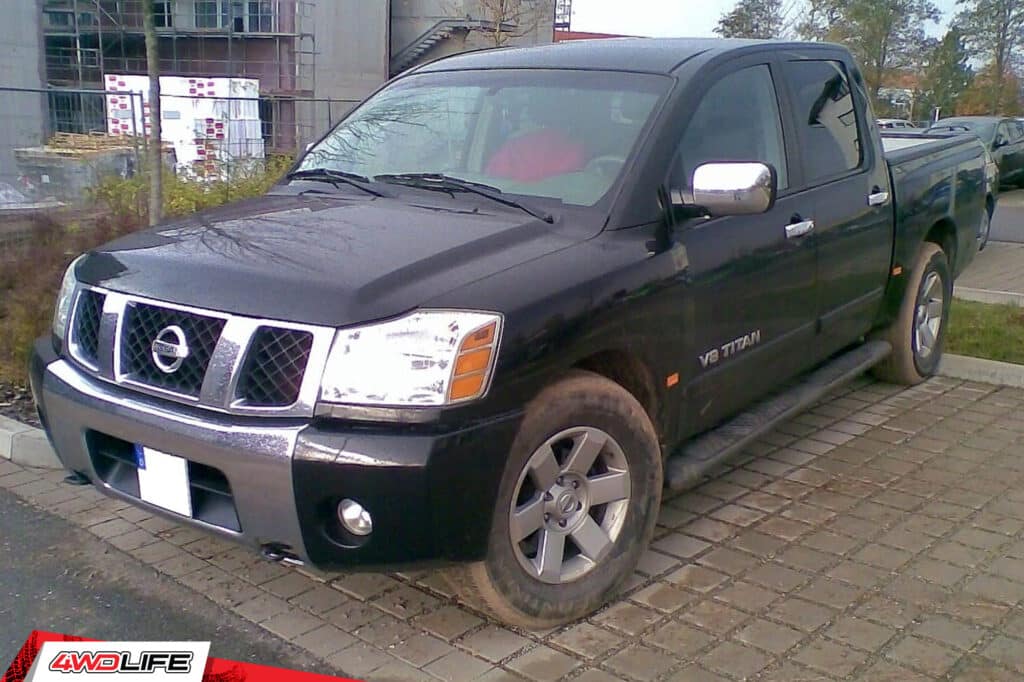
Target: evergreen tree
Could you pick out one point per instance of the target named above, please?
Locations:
(946, 77)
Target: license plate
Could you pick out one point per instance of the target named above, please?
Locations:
(163, 480)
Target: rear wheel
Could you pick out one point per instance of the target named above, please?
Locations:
(576, 506)
(918, 333)
(985, 228)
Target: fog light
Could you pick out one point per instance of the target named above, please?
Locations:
(354, 518)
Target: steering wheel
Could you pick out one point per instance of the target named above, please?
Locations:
(607, 165)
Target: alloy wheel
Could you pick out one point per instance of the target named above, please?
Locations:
(928, 315)
(569, 505)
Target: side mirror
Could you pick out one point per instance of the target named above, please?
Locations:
(1000, 142)
(730, 188)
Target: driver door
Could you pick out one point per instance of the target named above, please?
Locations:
(750, 295)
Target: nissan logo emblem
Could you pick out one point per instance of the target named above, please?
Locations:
(169, 349)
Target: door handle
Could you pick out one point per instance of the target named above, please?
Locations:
(878, 198)
(795, 230)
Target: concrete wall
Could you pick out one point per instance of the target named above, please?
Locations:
(22, 115)
(352, 38)
(351, 46)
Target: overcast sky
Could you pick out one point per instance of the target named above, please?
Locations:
(672, 17)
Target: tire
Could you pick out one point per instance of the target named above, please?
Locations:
(930, 287)
(986, 228)
(586, 414)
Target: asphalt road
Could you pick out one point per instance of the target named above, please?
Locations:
(55, 577)
(1008, 221)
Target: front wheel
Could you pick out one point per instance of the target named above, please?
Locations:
(575, 509)
(918, 333)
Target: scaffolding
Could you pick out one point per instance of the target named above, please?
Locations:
(563, 15)
(270, 40)
(267, 40)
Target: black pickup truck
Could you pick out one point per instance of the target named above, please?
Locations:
(489, 316)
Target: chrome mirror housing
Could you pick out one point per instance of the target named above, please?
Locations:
(733, 188)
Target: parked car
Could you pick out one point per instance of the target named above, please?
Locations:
(1004, 138)
(897, 124)
(503, 303)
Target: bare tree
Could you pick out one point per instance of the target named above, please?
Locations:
(505, 20)
(154, 144)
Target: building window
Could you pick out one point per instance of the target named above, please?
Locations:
(261, 16)
(72, 112)
(58, 19)
(163, 14)
(207, 14)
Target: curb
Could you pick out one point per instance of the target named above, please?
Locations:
(989, 296)
(26, 445)
(982, 371)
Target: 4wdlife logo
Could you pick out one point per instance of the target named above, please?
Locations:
(151, 661)
(121, 662)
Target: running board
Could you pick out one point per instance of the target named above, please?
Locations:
(693, 460)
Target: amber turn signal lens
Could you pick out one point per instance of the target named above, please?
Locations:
(473, 363)
(481, 337)
(467, 386)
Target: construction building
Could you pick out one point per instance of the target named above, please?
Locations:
(314, 59)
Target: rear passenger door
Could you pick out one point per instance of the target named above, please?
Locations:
(849, 181)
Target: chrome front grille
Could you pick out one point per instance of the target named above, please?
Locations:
(223, 362)
(85, 326)
(143, 323)
(273, 370)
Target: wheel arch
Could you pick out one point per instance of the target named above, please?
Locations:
(628, 370)
(944, 234)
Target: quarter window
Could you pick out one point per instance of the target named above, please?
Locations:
(827, 116)
(737, 120)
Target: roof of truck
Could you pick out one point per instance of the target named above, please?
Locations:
(652, 55)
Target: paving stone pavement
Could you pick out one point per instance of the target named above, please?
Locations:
(880, 536)
(999, 268)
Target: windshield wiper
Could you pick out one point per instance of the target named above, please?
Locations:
(448, 183)
(336, 178)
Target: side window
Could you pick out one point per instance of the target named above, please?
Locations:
(827, 116)
(738, 120)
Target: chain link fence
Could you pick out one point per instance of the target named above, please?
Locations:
(57, 144)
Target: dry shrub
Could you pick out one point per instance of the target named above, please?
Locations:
(30, 273)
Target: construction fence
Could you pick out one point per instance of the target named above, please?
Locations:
(56, 144)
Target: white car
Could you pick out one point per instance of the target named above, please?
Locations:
(896, 124)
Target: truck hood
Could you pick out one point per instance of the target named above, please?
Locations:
(322, 259)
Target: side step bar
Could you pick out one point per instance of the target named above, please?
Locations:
(692, 461)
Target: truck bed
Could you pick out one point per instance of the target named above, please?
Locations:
(928, 174)
(903, 147)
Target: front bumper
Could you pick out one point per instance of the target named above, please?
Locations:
(431, 494)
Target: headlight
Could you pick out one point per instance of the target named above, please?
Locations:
(62, 310)
(427, 358)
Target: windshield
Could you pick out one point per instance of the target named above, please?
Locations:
(563, 135)
(983, 129)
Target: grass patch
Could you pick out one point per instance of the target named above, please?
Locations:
(982, 330)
